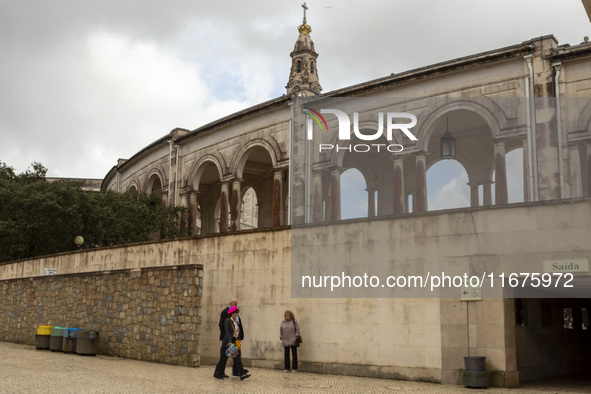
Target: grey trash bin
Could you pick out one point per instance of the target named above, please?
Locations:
(87, 343)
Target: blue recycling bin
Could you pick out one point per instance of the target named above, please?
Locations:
(70, 340)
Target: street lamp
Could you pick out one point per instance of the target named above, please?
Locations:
(79, 241)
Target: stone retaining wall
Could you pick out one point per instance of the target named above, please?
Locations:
(151, 314)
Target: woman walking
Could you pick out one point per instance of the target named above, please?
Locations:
(289, 332)
(233, 334)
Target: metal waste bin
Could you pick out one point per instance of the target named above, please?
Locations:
(70, 339)
(57, 339)
(42, 337)
(87, 343)
(475, 375)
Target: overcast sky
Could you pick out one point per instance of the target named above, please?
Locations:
(83, 83)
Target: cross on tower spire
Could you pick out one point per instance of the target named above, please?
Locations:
(305, 7)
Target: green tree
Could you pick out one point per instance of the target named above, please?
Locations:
(39, 217)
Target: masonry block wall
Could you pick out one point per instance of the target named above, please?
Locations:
(151, 314)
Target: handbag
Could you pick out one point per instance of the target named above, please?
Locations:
(236, 341)
(232, 351)
(298, 339)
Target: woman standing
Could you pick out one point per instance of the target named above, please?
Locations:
(288, 333)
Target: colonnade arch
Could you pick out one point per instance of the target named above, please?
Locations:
(396, 182)
(217, 192)
(155, 185)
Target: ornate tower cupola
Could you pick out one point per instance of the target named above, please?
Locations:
(303, 77)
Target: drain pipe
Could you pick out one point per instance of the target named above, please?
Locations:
(532, 146)
(530, 176)
(291, 160)
(176, 176)
(169, 169)
(559, 128)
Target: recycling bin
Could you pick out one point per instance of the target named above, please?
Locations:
(87, 343)
(57, 339)
(70, 340)
(42, 337)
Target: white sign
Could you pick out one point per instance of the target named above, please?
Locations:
(572, 265)
(50, 271)
(471, 293)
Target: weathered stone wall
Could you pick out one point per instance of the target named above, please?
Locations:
(427, 338)
(146, 314)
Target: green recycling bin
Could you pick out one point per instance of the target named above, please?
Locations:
(42, 337)
(57, 339)
(87, 343)
(70, 339)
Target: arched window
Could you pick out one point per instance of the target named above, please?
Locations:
(298, 66)
(353, 194)
(447, 185)
(249, 216)
(312, 67)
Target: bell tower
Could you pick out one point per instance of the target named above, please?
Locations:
(303, 77)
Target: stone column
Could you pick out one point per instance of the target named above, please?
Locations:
(185, 204)
(193, 212)
(224, 208)
(236, 206)
(420, 196)
(277, 193)
(317, 197)
(335, 194)
(576, 178)
(399, 194)
(588, 169)
(501, 196)
(474, 193)
(371, 201)
(487, 193)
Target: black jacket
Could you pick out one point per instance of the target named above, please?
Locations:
(229, 332)
(223, 317)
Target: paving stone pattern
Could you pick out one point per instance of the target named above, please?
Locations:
(151, 314)
(26, 370)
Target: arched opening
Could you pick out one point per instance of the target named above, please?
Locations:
(298, 66)
(207, 211)
(155, 187)
(354, 196)
(249, 216)
(462, 181)
(447, 186)
(257, 172)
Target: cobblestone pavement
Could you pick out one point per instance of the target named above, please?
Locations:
(26, 370)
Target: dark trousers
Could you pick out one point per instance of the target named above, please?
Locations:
(294, 356)
(237, 368)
